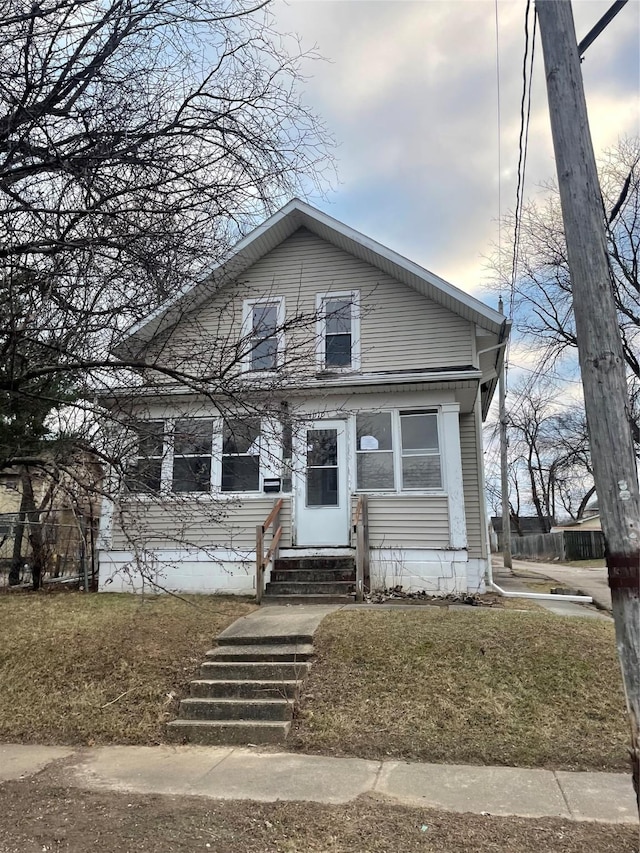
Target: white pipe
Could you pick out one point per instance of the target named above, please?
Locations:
(540, 596)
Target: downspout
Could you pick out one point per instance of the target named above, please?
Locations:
(539, 596)
(536, 596)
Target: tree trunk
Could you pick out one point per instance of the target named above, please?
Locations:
(38, 556)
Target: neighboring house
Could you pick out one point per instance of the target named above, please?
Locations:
(347, 370)
(63, 521)
(523, 525)
(591, 522)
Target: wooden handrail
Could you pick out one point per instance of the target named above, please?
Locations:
(269, 519)
(262, 559)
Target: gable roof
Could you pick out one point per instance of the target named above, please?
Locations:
(266, 237)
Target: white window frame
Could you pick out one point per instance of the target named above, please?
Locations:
(270, 446)
(419, 489)
(170, 452)
(261, 459)
(321, 329)
(247, 328)
(396, 449)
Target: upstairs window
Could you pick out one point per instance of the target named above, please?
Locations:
(338, 331)
(145, 474)
(192, 441)
(241, 455)
(262, 330)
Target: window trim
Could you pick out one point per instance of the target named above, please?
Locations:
(321, 330)
(247, 329)
(396, 450)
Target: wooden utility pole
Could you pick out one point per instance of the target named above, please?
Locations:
(599, 343)
(504, 473)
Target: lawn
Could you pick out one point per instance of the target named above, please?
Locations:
(481, 687)
(84, 669)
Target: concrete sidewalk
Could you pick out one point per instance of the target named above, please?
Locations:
(250, 774)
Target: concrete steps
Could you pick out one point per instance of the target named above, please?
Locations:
(246, 691)
(311, 580)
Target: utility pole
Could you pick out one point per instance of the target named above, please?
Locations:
(504, 474)
(599, 344)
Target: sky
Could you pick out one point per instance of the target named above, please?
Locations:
(409, 89)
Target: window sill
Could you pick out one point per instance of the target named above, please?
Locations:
(407, 493)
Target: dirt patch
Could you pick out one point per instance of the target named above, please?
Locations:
(37, 819)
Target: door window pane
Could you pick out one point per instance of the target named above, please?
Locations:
(322, 447)
(322, 487)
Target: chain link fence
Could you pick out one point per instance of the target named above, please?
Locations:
(59, 543)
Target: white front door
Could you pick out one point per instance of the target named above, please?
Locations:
(322, 495)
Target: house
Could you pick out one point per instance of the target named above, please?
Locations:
(522, 525)
(322, 367)
(48, 515)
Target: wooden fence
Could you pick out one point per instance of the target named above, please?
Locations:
(563, 545)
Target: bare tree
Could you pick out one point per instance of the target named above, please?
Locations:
(543, 306)
(137, 139)
(550, 468)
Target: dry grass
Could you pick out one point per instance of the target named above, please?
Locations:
(487, 687)
(79, 821)
(102, 668)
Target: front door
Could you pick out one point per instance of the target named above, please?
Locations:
(322, 496)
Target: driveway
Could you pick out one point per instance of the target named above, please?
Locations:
(590, 581)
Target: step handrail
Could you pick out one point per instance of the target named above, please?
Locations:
(361, 530)
(263, 560)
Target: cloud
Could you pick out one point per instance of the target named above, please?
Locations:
(410, 93)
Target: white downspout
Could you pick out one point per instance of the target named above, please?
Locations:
(539, 596)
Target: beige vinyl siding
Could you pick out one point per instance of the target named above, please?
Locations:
(400, 329)
(408, 521)
(471, 480)
(198, 524)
